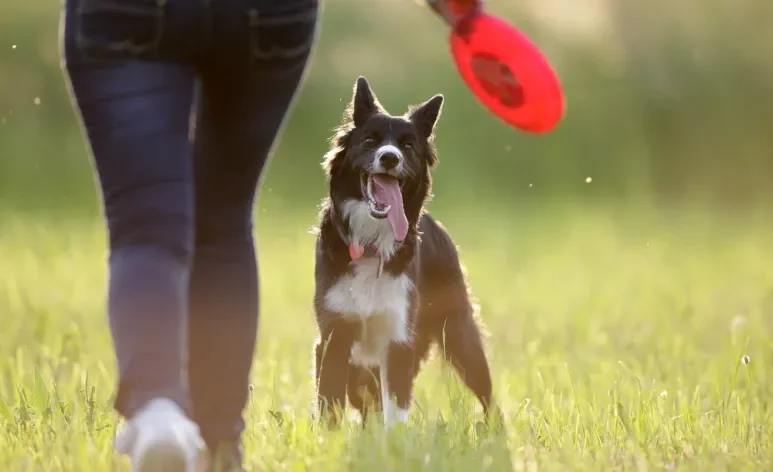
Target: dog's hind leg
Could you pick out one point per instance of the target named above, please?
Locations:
(462, 347)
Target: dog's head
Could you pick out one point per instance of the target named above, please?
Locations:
(379, 165)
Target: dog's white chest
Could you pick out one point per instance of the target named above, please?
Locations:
(380, 303)
(365, 294)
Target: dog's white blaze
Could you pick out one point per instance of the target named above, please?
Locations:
(391, 148)
(366, 229)
(387, 148)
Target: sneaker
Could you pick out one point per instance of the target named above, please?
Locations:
(160, 438)
(224, 457)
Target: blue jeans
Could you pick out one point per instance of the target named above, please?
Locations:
(181, 102)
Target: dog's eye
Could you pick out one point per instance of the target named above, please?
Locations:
(369, 140)
(407, 146)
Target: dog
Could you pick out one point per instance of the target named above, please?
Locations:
(389, 283)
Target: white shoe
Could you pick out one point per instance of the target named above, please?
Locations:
(160, 438)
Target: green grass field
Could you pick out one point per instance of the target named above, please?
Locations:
(616, 343)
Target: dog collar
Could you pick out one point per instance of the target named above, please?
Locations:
(356, 251)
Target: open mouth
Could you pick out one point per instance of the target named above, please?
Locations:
(384, 196)
(376, 192)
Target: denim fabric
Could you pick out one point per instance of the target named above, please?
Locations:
(181, 102)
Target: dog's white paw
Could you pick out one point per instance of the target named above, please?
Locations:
(394, 415)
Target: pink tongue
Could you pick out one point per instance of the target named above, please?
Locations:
(386, 191)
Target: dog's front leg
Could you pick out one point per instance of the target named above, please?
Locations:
(397, 374)
(332, 369)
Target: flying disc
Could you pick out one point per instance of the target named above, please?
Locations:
(507, 73)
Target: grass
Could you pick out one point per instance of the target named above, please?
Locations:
(616, 344)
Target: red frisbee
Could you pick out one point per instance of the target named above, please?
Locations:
(502, 67)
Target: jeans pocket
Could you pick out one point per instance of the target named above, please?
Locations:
(119, 29)
(281, 39)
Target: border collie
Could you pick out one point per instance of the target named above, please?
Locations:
(389, 283)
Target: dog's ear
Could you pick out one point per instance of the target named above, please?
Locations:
(426, 115)
(364, 103)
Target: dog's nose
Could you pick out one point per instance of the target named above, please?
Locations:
(389, 160)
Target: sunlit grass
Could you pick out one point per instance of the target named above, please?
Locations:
(614, 346)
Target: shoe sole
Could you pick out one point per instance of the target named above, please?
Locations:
(163, 457)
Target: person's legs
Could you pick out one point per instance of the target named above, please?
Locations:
(136, 116)
(135, 113)
(241, 109)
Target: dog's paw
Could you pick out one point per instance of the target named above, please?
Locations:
(394, 416)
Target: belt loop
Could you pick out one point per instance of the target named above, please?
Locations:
(207, 25)
(253, 16)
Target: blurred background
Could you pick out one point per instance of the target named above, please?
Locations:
(669, 104)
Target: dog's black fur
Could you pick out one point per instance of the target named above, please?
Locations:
(439, 307)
